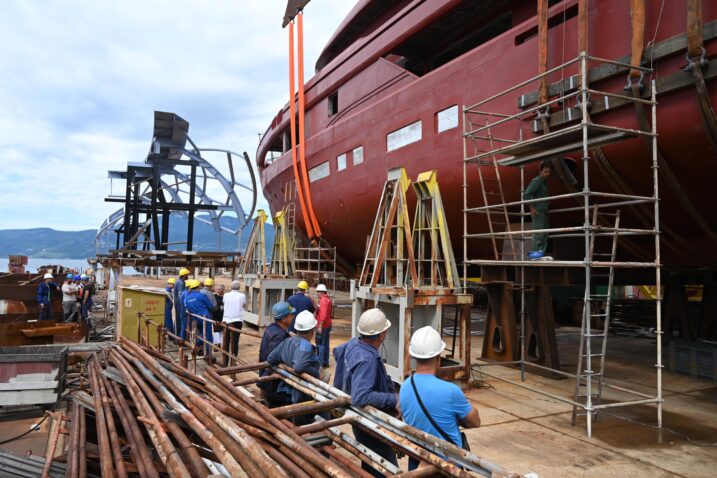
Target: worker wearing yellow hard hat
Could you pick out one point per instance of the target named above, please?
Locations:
(169, 324)
(180, 286)
(300, 301)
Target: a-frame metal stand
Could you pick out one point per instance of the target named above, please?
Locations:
(411, 274)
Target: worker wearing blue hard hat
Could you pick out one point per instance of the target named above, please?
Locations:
(275, 334)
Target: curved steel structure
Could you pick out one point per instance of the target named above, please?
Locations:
(167, 185)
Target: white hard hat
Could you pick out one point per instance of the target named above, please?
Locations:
(48, 276)
(426, 343)
(305, 321)
(373, 322)
(321, 288)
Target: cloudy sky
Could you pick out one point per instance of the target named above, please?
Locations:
(80, 80)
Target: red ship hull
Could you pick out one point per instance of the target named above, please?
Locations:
(378, 95)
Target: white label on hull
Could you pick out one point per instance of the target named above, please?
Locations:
(319, 172)
(404, 136)
(447, 119)
(358, 155)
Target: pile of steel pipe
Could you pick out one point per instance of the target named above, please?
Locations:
(143, 415)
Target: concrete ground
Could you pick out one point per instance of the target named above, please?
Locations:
(525, 431)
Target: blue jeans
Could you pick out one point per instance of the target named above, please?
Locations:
(322, 343)
(85, 310)
(181, 322)
(168, 322)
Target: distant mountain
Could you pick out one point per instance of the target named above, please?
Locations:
(53, 244)
(46, 242)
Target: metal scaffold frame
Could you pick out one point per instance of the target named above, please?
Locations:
(491, 140)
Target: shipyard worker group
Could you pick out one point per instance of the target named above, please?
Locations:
(77, 292)
(299, 337)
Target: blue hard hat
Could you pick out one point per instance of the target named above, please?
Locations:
(78, 277)
(69, 276)
(281, 310)
(84, 277)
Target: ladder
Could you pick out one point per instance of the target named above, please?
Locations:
(492, 191)
(254, 259)
(586, 373)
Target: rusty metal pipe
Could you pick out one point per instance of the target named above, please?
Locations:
(200, 427)
(165, 448)
(254, 426)
(249, 367)
(53, 436)
(186, 448)
(248, 444)
(301, 462)
(420, 472)
(131, 439)
(138, 439)
(320, 426)
(103, 438)
(309, 407)
(351, 466)
(249, 381)
(111, 426)
(284, 434)
(82, 448)
(292, 468)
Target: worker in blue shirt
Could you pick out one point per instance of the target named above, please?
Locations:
(169, 305)
(200, 305)
(300, 301)
(300, 354)
(44, 296)
(361, 373)
(430, 404)
(179, 314)
(275, 334)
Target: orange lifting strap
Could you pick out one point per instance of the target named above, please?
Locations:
(543, 50)
(637, 14)
(292, 120)
(301, 176)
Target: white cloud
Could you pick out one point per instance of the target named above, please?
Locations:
(79, 81)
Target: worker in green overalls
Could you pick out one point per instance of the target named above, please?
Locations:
(538, 188)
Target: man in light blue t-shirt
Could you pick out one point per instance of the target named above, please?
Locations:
(443, 401)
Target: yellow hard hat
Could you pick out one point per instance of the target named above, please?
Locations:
(209, 282)
(193, 283)
(183, 271)
(171, 280)
(303, 285)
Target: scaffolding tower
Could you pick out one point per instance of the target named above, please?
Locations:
(494, 141)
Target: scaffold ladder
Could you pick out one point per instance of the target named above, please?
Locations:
(492, 191)
(585, 371)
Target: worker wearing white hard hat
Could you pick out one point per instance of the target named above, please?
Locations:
(430, 404)
(44, 296)
(361, 373)
(300, 354)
